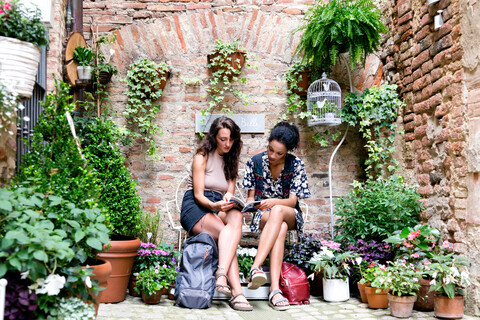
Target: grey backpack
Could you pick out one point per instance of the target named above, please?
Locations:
(195, 285)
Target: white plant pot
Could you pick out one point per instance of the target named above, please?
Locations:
(336, 290)
(84, 73)
(18, 65)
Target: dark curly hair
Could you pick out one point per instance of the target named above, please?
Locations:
(285, 133)
(209, 143)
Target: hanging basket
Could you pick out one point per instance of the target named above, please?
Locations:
(233, 63)
(18, 65)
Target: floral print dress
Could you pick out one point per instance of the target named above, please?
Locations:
(287, 182)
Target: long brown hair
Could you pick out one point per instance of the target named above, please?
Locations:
(209, 143)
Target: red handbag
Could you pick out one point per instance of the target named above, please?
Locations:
(294, 284)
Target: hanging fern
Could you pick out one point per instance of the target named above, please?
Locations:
(339, 26)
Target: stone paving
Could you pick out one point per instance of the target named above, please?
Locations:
(133, 308)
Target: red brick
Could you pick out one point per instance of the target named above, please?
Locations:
(406, 35)
(142, 15)
(405, 18)
(154, 200)
(421, 83)
(425, 191)
(114, 19)
(427, 67)
(421, 58)
(425, 31)
(198, 6)
(423, 179)
(292, 11)
(127, 5)
(409, 126)
(403, 6)
(453, 89)
(166, 8)
(436, 74)
(179, 32)
(184, 149)
(252, 20)
(420, 131)
(88, 5)
(165, 177)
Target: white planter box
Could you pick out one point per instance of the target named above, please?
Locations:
(335, 290)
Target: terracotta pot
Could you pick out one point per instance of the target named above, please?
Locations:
(236, 60)
(448, 308)
(120, 254)
(132, 283)
(336, 290)
(153, 299)
(361, 289)
(164, 291)
(401, 307)
(425, 298)
(303, 83)
(171, 292)
(376, 300)
(101, 272)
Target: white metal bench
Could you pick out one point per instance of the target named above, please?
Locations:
(173, 208)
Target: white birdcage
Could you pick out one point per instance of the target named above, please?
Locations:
(324, 102)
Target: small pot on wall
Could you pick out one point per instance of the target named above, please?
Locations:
(84, 73)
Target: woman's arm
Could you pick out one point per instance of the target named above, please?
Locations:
(230, 191)
(266, 204)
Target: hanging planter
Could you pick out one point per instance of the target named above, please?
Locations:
(230, 64)
(18, 65)
(84, 73)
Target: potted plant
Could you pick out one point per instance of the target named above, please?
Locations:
(298, 78)
(151, 281)
(84, 57)
(333, 263)
(450, 276)
(104, 70)
(376, 297)
(417, 245)
(226, 58)
(401, 279)
(245, 257)
(21, 34)
(145, 80)
(336, 27)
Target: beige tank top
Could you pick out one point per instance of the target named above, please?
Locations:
(214, 175)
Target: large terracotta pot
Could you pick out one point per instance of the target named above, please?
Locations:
(236, 61)
(336, 290)
(153, 299)
(425, 298)
(101, 272)
(121, 253)
(401, 307)
(448, 308)
(19, 65)
(376, 300)
(361, 289)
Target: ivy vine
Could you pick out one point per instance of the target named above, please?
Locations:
(144, 79)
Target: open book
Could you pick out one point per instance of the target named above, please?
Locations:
(240, 205)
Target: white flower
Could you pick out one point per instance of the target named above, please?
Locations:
(51, 285)
(39, 283)
(26, 119)
(21, 107)
(88, 282)
(358, 260)
(8, 114)
(24, 275)
(149, 235)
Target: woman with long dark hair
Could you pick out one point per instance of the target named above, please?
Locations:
(278, 179)
(206, 206)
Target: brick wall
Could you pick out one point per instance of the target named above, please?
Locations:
(8, 147)
(437, 71)
(182, 33)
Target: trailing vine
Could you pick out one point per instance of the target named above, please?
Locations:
(375, 112)
(296, 105)
(225, 61)
(144, 79)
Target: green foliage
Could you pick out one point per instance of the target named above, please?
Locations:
(400, 277)
(339, 26)
(119, 195)
(9, 105)
(332, 263)
(245, 257)
(102, 63)
(225, 76)
(296, 105)
(375, 112)
(75, 309)
(143, 80)
(152, 255)
(149, 227)
(449, 273)
(19, 22)
(42, 232)
(373, 210)
(371, 271)
(54, 164)
(83, 56)
(150, 280)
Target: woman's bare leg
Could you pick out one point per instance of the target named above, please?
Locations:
(276, 259)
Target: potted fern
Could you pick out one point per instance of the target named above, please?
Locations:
(340, 26)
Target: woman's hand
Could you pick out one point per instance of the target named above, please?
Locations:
(266, 204)
(223, 205)
(227, 196)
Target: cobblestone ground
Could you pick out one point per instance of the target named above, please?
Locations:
(133, 308)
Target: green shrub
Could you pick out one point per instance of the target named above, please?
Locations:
(373, 210)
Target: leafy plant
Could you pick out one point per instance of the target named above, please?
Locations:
(225, 62)
(9, 105)
(375, 112)
(372, 271)
(301, 253)
(20, 302)
(339, 26)
(143, 80)
(373, 210)
(148, 227)
(75, 309)
(296, 105)
(449, 274)
(332, 262)
(83, 56)
(400, 277)
(119, 195)
(368, 252)
(150, 280)
(245, 257)
(150, 255)
(19, 22)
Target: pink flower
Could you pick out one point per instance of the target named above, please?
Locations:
(415, 255)
(156, 271)
(427, 262)
(7, 6)
(447, 245)
(415, 279)
(387, 246)
(383, 267)
(371, 264)
(407, 244)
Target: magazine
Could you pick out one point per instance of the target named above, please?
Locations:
(240, 205)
